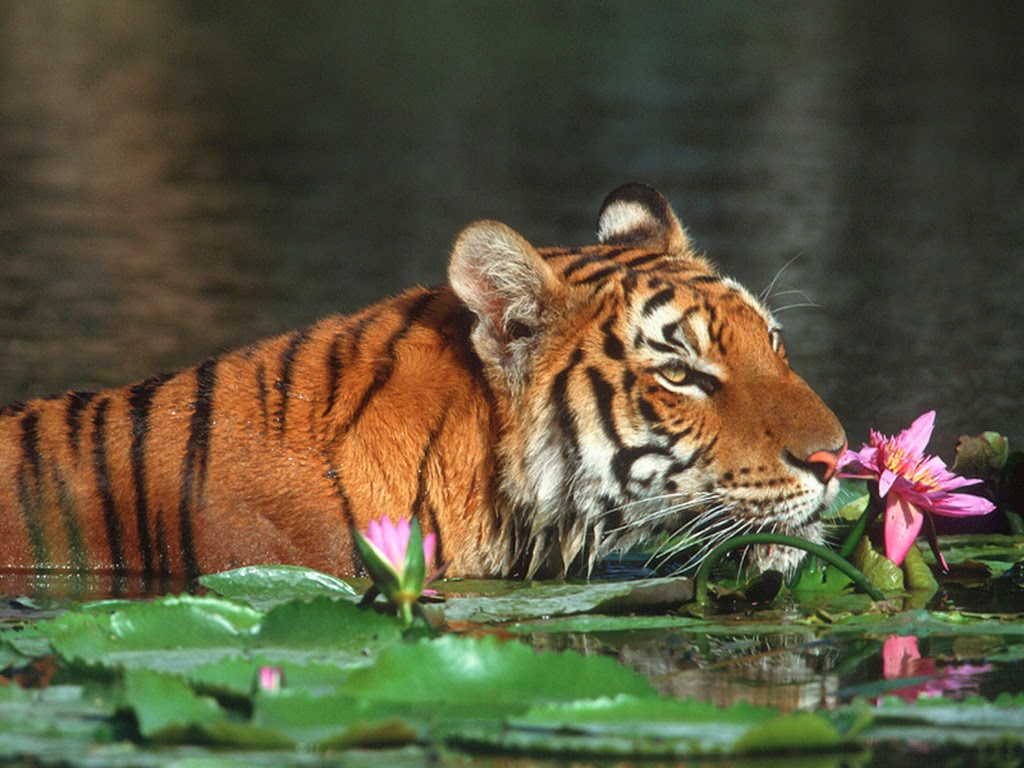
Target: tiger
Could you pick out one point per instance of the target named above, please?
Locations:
(547, 408)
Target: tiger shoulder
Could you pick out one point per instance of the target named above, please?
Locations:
(545, 408)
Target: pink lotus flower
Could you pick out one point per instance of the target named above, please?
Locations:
(398, 558)
(911, 484)
(391, 541)
(270, 679)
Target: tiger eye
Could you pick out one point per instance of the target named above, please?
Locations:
(675, 374)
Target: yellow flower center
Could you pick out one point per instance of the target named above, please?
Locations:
(908, 465)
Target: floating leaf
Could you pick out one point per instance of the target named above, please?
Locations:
(535, 599)
(263, 586)
(172, 633)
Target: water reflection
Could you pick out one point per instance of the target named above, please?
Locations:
(179, 178)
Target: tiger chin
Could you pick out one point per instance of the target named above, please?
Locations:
(547, 407)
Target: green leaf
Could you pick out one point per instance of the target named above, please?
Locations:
(172, 633)
(165, 706)
(850, 502)
(882, 571)
(477, 675)
(536, 599)
(263, 586)
(792, 732)
(654, 727)
(324, 628)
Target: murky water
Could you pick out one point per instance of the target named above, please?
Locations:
(179, 178)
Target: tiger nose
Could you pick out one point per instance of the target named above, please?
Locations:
(824, 463)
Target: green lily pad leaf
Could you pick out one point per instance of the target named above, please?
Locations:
(882, 571)
(237, 677)
(165, 706)
(943, 721)
(535, 599)
(654, 727)
(483, 675)
(340, 719)
(396, 698)
(325, 628)
(850, 502)
(263, 586)
(918, 576)
(173, 633)
(168, 710)
(797, 731)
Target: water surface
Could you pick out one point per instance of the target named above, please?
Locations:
(180, 178)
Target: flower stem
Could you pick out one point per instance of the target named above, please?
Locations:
(830, 557)
(860, 527)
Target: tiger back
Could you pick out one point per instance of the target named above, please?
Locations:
(547, 407)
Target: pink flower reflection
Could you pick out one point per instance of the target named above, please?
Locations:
(902, 659)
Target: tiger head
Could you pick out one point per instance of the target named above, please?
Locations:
(639, 392)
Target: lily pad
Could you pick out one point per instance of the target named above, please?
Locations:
(263, 586)
(535, 600)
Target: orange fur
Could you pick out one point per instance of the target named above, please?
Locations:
(517, 413)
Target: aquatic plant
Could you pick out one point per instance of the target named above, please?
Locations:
(398, 558)
(912, 484)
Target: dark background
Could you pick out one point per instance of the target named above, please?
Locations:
(178, 178)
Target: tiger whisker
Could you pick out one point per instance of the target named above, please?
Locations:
(766, 294)
(799, 305)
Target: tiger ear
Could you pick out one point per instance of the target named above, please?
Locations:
(506, 284)
(637, 215)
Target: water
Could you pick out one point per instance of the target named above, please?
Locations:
(180, 178)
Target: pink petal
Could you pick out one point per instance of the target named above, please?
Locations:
(886, 480)
(915, 439)
(902, 524)
(373, 532)
(959, 505)
(429, 545)
(394, 546)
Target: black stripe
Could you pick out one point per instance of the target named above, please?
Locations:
(353, 336)
(284, 378)
(704, 279)
(560, 397)
(601, 274)
(106, 493)
(333, 371)
(197, 454)
(13, 409)
(584, 260)
(613, 346)
(648, 412)
(386, 366)
(643, 258)
(261, 395)
(571, 444)
(660, 299)
(76, 541)
(579, 263)
(627, 456)
(30, 488)
(77, 401)
(140, 398)
(716, 329)
(669, 349)
(421, 487)
(604, 394)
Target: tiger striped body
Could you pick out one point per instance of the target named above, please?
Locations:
(547, 407)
